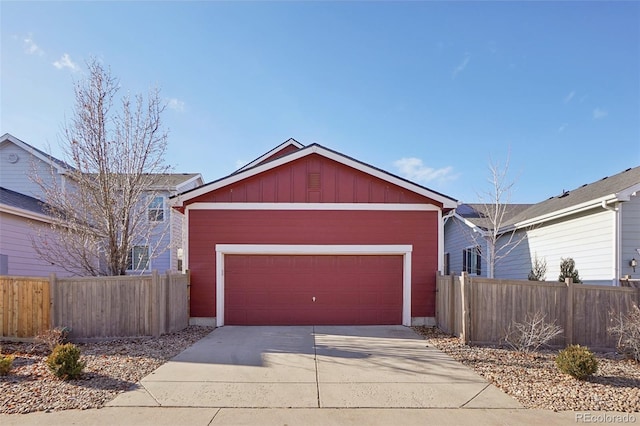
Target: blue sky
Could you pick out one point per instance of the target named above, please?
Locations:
(432, 91)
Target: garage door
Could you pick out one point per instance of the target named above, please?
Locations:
(313, 289)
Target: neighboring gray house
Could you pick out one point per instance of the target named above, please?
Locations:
(597, 224)
(22, 214)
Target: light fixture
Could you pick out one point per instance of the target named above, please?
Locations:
(633, 263)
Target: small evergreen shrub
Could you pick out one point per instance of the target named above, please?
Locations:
(577, 361)
(538, 269)
(64, 362)
(6, 362)
(568, 270)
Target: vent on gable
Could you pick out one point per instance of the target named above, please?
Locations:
(313, 181)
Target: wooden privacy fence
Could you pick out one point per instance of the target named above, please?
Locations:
(94, 307)
(480, 310)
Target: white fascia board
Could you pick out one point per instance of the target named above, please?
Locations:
(446, 202)
(578, 208)
(319, 249)
(23, 145)
(25, 214)
(313, 206)
(197, 177)
(471, 225)
(274, 249)
(626, 194)
(280, 147)
(315, 149)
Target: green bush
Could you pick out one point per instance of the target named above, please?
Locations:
(6, 362)
(65, 361)
(577, 361)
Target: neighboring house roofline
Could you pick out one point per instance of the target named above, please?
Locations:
(60, 166)
(22, 205)
(608, 190)
(283, 145)
(447, 202)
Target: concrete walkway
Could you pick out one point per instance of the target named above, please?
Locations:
(308, 375)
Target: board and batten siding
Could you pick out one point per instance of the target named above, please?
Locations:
(207, 228)
(16, 244)
(587, 237)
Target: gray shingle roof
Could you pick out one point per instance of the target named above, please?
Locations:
(606, 186)
(21, 201)
(474, 213)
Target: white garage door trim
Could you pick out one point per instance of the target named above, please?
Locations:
(335, 250)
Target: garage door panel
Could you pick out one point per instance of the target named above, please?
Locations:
(279, 290)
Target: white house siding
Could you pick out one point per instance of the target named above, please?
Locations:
(588, 238)
(16, 175)
(630, 236)
(16, 244)
(457, 237)
(176, 237)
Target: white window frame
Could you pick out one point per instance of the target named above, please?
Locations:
(131, 255)
(151, 208)
(472, 253)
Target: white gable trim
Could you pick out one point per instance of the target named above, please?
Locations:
(280, 147)
(197, 177)
(313, 206)
(315, 149)
(26, 147)
(27, 214)
(578, 208)
(335, 250)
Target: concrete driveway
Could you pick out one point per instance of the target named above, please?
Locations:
(314, 367)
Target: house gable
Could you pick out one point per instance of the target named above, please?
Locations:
(287, 147)
(314, 174)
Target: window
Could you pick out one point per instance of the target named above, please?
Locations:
(446, 264)
(471, 261)
(138, 258)
(156, 209)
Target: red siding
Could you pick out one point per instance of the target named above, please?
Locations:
(210, 227)
(305, 290)
(313, 179)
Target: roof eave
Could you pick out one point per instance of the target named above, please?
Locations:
(180, 199)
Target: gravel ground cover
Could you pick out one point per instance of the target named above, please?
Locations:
(534, 380)
(112, 367)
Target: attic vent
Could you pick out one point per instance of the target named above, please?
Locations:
(313, 181)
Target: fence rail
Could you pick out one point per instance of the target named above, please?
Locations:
(94, 307)
(480, 310)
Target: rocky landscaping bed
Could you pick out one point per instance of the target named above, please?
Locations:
(534, 380)
(112, 367)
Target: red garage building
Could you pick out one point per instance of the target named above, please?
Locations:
(306, 235)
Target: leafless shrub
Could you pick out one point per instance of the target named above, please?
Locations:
(627, 329)
(531, 334)
(53, 337)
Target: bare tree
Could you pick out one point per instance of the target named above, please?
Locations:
(495, 209)
(102, 206)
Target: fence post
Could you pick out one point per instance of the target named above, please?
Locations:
(451, 315)
(466, 318)
(568, 332)
(155, 303)
(53, 308)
